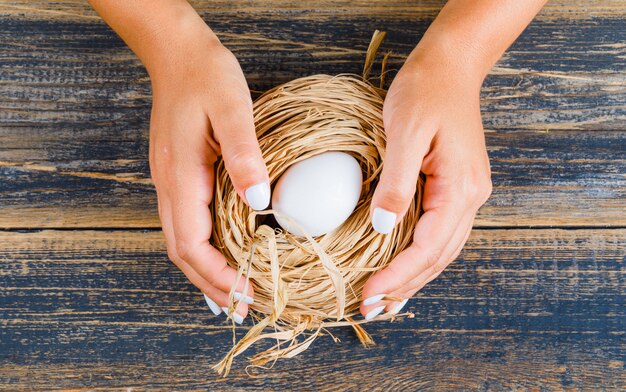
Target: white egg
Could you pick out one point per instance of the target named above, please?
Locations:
(319, 193)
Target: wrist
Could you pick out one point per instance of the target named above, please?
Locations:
(449, 53)
(173, 47)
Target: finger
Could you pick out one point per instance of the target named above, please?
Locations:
(423, 281)
(415, 285)
(215, 298)
(398, 180)
(232, 121)
(189, 178)
(191, 223)
(457, 244)
(432, 234)
(454, 246)
(408, 290)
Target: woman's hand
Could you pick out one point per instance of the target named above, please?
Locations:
(432, 121)
(202, 108)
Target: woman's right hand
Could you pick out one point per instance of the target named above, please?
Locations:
(202, 108)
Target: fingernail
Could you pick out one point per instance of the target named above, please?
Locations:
(399, 307)
(258, 196)
(236, 316)
(374, 312)
(247, 299)
(373, 299)
(212, 305)
(383, 221)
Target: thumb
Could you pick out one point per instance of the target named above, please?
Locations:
(233, 123)
(398, 180)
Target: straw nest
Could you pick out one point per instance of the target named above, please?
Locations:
(304, 285)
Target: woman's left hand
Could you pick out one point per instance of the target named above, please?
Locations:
(432, 121)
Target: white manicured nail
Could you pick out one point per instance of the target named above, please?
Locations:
(383, 221)
(374, 312)
(236, 316)
(399, 306)
(237, 296)
(212, 305)
(258, 196)
(373, 299)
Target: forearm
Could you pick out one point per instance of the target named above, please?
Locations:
(160, 32)
(471, 35)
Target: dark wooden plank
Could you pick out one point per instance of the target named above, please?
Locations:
(520, 309)
(556, 178)
(77, 193)
(565, 71)
(75, 103)
(78, 8)
(572, 178)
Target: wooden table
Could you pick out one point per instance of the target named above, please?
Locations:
(88, 299)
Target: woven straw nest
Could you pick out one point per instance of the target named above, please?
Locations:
(304, 285)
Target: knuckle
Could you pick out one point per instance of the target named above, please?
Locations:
(243, 161)
(433, 257)
(206, 288)
(481, 190)
(172, 254)
(184, 249)
(397, 194)
(477, 188)
(487, 190)
(224, 52)
(434, 271)
(243, 155)
(393, 270)
(471, 189)
(213, 276)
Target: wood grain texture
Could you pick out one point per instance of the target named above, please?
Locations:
(78, 8)
(75, 104)
(554, 76)
(521, 309)
(573, 178)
